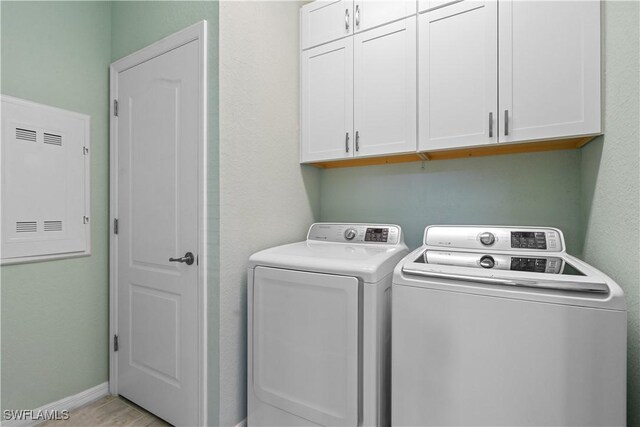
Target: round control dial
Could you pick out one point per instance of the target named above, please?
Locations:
(350, 233)
(487, 261)
(487, 238)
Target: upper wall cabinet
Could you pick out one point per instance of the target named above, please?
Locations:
(324, 21)
(549, 69)
(436, 79)
(541, 57)
(458, 75)
(368, 14)
(358, 94)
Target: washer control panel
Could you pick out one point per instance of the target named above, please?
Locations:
(552, 265)
(521, 239)
(356, 233)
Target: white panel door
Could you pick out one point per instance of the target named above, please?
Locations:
(327, 102)
(385, 89)
(305, 344)
(549, 69)
(457, 76)
(372, 13)
(158, 138)
(325, 20)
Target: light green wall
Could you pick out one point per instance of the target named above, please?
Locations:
(522, 189)
(54, 314)
(611, 178)
(136, 24)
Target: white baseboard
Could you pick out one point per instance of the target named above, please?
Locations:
(242, 423)
(68, 403)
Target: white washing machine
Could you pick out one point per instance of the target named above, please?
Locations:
(500, 326)
(319, 327)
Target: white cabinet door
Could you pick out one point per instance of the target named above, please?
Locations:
(385, 89)
(549, 69)
(327, 102)
(424, 5)
(325, 20)
(372, 13)
(457, 76)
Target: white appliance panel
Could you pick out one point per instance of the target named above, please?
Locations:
(539, 363)
(305, 344)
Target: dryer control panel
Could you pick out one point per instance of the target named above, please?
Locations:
(356, 233)
(520, 239)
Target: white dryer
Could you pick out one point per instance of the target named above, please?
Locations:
(319, 327)
(500, 326)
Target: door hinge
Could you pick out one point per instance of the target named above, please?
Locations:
(85, 219)
(85, 150)
(115, 343)
(115, 226)
(115, 107)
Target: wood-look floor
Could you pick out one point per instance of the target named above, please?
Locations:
(109, 411)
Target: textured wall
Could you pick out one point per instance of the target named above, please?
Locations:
(136, 24)
(521, 189)
(266, 197)
(54, 314)
(611, 178)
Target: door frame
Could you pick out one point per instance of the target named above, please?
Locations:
(194, 32)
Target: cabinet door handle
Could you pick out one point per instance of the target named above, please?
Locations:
(490, 125)
(357, 140)
(346, 19)
(357, 16)
(346, 143)
(506, 122)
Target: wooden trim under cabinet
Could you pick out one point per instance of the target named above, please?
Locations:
(487, 150)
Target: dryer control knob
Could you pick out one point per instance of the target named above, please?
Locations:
(487, 262)
(487, 238)
(350, 233)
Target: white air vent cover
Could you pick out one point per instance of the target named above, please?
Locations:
(45, 182)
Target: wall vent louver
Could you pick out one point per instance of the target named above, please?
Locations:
(53, 226)
(26, 134)
(50, 138)
(26, 227)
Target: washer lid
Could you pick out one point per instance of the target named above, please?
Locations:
(585, 286)
(368, 262)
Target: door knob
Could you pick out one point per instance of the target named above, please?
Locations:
(188, 258)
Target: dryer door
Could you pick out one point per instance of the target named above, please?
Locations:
(305, 344)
